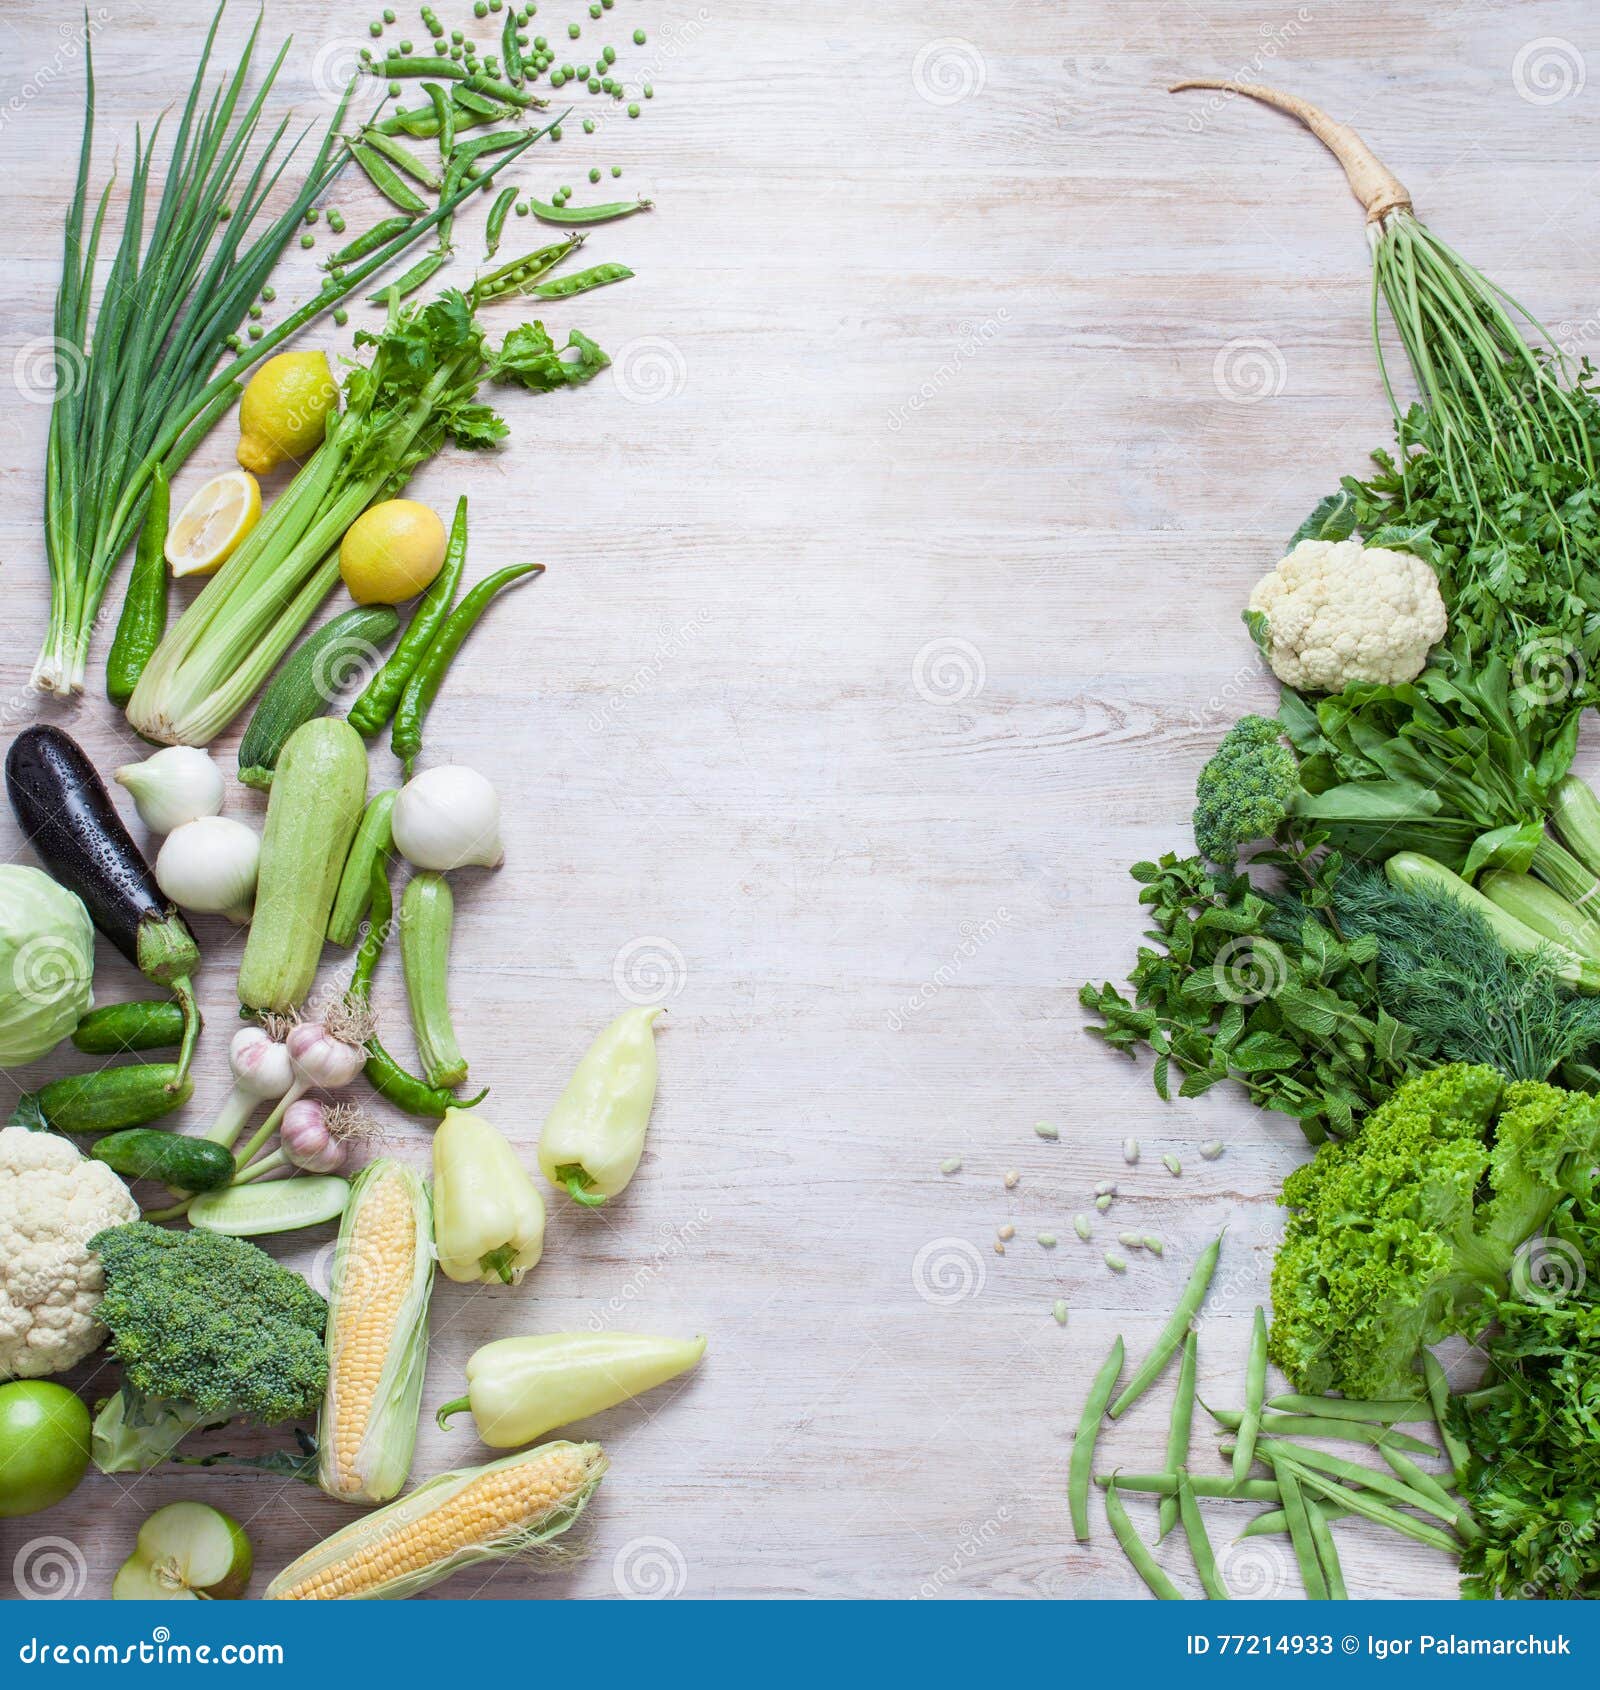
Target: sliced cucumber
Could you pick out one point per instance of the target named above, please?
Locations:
(282, 1205)
(186, 1551)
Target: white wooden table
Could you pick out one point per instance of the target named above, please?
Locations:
(967, 384)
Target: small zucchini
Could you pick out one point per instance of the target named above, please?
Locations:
(427, 915)
(351, 902)
(151, 1024)
(271, 1205)
(105, 1101)
(316, 803)
(188, 1164)
(320, 668)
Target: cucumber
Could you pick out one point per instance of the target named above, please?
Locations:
(354, 898)
(307, 684)
(150, 1024)
(312, 814)
(189, 1164)
(105, 1101)
(271, 1205)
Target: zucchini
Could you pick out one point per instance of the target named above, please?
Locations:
(316, 803)
(271, 1205)
(1576, 813)
(321, 667)
(1534, 904)
(150, 1024)
(188, 1164)
(354, 898)
(105, 1101)
(427, 914)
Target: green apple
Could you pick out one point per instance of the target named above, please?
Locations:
(187, 1552)
(44, 1445)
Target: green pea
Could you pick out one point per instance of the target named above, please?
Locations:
(269, 294)
(583, 73)
(588, 126)
(522, 208)
(555, 133)
(336, 222)
(607, 84)
(494, 5)
(609, 54)
(340, 315)
(308, 240)
(457, 37)
(480, 8)
(573, 31)
(224, 213)
(234, 343)
(255, 331)
(616, 170)
(649, 92)
(633, 110)
(594, 175)
(540, 42)
(388, 15)
(374, 28)
(255, 310)
(406, 47)
(394, 90)
(565, 192)
(594, 84)
(311, 214)
(638, 38)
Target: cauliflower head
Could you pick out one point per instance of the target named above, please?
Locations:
(52, 1202)
(1337, 611)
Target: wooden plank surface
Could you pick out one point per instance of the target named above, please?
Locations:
(967, 384)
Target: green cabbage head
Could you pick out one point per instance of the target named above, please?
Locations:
(46, 963)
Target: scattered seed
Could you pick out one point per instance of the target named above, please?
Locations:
(1116, 1263)
(1130, 1151)
(1080, 1225)
(1007, 1233)
(1060, 1311)
(1012, 1176)
(999, 1248)
(1106, 1188)
(1152, 1242)
(1172, 1164)
(1047, 1129)
(1103, 1203)
(1211, 1149)
(1131, 1240)
(1048, 1240)
(950, 1165)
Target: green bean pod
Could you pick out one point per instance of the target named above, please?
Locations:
(1255, 1390)
(1137, 1550)
(1189, 1303)
(1438, 1385)
(1306, 1426)
(144, 602)
(576, 215)
(1358, 1502)
(1081, 1467)
(582, 281)
(149, 1024)
(1202, 1484)
(354, 897)
(1305, 1547)
(1194, 1527)
(423, 687)
(370, 712)
(1179, 1429)
(1327, 1552)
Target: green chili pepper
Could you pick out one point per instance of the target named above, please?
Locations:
(144, 603)
(385, 178)
(371, 240)
(377, 703)
(581, 281)
(423, 687)
(411, 280)
(498, 213)
(570, 214)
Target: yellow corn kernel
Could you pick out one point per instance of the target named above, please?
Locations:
(475, 1514)
(377, 1335)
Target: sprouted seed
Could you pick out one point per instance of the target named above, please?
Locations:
(1172, 1164)
(1211, 1150)
(999, 1248)
(950, 1165)
(1047, 1129)
(1081, 1226)
(1130, 1151)
(1060, 1311)
(1116, 1263)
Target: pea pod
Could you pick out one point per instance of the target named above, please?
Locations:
(581, 281)
(377, 702)
(579, 214)
(371, 239)
(144, 603)
(479, 82)
(450, 69)
(516, 276)
(187, 1164)
(385, 178)
(511, 49)
(423, 687)
(105, 1101)
(150, 1024)
(413, 278)
(445, 115)
(497, 221)
(308, 683)
(403, 160)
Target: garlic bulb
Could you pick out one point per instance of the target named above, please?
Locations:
(177, 785)
(209, 865)
(448, 818)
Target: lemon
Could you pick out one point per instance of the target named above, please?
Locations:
(209, 528)
(391, 552)
(284, 412)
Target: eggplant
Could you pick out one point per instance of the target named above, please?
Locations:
(68, 817)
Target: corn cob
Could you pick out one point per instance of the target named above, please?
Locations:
(377, 1335)
(510, 1507)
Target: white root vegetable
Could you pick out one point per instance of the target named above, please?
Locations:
(448, 818)
(209, 865)
(178, 784)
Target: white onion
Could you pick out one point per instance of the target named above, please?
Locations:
(448, 818)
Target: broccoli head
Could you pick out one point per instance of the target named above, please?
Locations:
(1397, 1233)
(211, 1324)
(1246, 791)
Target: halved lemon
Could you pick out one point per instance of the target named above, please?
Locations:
(209, 528)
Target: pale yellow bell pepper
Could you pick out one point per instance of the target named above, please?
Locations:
(488, 1214)
(594, 1136)
(520, 1388)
